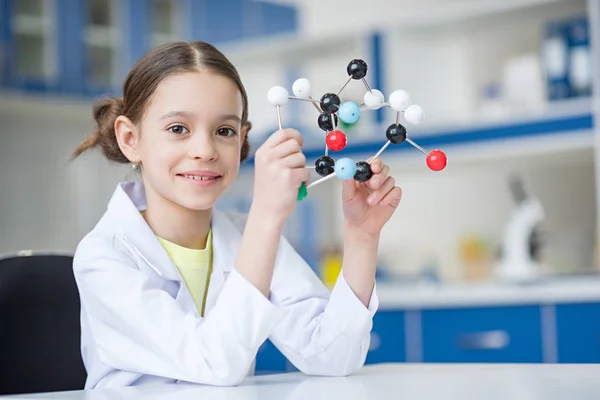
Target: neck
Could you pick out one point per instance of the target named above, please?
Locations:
(184, 227)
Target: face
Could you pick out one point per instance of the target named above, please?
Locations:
(190, 138)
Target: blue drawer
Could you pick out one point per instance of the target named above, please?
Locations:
(578, 333)
(486, 334)
(388, 342)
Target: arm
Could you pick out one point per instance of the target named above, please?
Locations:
(137, 326)
(279, 173)
(322, 333)
(256, 257)
(359, 262)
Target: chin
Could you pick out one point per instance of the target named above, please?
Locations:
(200, 204)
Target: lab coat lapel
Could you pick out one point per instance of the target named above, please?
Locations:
(126, 205)
(226, 242)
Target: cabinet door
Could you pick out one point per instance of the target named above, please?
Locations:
(388, 342)
(486, 334)
(578, 333)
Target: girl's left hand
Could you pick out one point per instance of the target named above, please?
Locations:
(368, 206)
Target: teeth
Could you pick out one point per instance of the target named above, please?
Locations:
(201, 178)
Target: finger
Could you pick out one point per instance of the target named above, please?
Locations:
(282, 150)
(378, 178)
(348, 189)
(382, 191)
(283, 135)
(377, 166)
(392, 198)
(300, 176)
(295, 160)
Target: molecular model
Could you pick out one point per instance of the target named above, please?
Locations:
(331, 110)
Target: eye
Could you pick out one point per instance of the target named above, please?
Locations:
(178, 129)
(225, 132)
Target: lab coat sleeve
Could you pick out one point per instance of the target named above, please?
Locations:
(322, 333)
(137, 326)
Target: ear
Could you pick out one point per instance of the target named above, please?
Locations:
(128, 138)
(243, 134)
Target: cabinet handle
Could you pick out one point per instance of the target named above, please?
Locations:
(490, 340)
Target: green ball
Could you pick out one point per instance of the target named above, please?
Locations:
(302, 192)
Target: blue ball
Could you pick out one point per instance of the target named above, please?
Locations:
(349, 112)
(345, 169)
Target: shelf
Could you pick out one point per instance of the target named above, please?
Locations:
(102, 36)
(31, 25)
(552, 132)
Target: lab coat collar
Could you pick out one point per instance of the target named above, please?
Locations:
(124, 210)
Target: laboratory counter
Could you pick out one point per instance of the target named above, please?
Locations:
(550, 290)
(384, 381)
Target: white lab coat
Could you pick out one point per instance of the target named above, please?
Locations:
(140, 324)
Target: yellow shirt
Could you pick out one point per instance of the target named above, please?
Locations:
(195, 267)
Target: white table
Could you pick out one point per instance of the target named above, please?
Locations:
(387, 381)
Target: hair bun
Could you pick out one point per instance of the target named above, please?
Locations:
(105, 113)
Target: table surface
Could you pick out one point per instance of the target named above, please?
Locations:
(384, 381)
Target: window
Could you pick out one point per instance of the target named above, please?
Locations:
(165, 22)
(102, 42)
(34, 40)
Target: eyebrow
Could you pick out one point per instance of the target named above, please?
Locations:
(225, 117)
(176, 114)
(232, 117)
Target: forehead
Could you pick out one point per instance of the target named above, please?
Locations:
(203, 92)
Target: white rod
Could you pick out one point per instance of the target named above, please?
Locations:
(417, 146)
(380, 151)
(304, 99)
(345, 84)
(326, 178)
(279, 116)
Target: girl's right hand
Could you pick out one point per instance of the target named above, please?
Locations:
(280, 170)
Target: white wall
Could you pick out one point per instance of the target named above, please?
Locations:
(48, 203)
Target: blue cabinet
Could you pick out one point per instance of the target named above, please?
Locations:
(81, 47)
(578, 333)
(485, 334)
(269, 360)
(388, 343)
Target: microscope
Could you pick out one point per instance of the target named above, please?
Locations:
(520, 252)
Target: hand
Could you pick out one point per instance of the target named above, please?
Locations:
(280, 169)
(368, 206)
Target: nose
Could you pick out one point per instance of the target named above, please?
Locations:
(202, 146)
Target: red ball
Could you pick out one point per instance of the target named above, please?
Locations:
(336, 140)
(436, 160)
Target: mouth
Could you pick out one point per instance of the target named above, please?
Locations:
(200, 178)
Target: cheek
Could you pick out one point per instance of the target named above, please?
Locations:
(160, 156)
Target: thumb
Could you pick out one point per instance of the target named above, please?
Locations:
(348, 189)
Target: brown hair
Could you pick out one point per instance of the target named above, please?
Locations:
(141, 83)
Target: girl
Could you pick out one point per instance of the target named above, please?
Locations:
(173, 289)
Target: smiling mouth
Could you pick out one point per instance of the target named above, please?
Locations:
(200, 178)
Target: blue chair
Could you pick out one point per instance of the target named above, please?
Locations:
(39, 324)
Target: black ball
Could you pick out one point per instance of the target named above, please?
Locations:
(330, 103)
(324, 165)
(396, 133)
(363, 171)
(324, 121)
(357, 69)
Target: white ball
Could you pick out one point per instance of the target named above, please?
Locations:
(277, 96)
(302, 88)
(399, 100)
(373, 99)
(414, 114)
